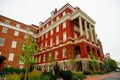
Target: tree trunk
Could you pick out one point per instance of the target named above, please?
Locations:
(26, 74)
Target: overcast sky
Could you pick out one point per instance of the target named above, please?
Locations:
(106, 14)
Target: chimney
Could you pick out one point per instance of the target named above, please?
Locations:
(55, 10)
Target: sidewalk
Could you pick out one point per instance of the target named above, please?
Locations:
(99, 77)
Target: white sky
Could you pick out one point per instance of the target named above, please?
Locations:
(106, 14)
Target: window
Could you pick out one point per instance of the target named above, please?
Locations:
(2, 41)
(57, 40)
(75, 34)
(42, 37)
(47, 25)
(11, 56)
(14, 43)
(27, 28)
(44, 58)
(39, 58)
(41, 46)
(64, 25)
(7, 22)
(26, 36)
(51, 22)
(64, 37)
(46, 44)
(16, 33)
(57, 17)
(18, 25)
(56, 55)
(51, 42)
(4, 30)
(21, 66)
(64, 52)
(51, 32)
(63, 13)
(46, 35)
(50, 56)
(57, 29)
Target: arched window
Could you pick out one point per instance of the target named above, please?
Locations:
(98, 53)
(77, 52)
(88, 49)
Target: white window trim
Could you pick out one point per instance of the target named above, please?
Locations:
(64, 36)
(11, 57)
(64, 52)
(18, 25)
(16, 33)
(63, 13)
(51, 32)
(51, 42)
(57, 40)
(64, 25)
(4, 29)
(56, 55)
(57, 29)
(14, 44)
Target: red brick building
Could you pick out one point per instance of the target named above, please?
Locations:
(68, 33)
(12, 33)
(65, 30)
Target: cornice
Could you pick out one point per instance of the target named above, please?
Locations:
(15, 28)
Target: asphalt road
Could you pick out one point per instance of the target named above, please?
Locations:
(116, 76)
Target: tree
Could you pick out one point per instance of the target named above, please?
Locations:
(27, 51)
(110, 64)
(71, 56)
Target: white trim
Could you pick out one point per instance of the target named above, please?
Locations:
(78, 13)
(15, 28)
(69, 42)
(61, 20)
(61, 10)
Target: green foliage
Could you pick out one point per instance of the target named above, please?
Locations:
(66, 74)
(78, 77)
(34, 75)
(87, 72)
(49, 76)
(110, 64)
(45, 77)
(10, 70)
(13, 76)
(27, 51)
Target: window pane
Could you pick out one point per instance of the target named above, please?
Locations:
(7, 22)
(18, 25)
(11, 56)
(64, 37)
(64, 25)
(14, 44)
(2, 41)
(56, 55)
(16, 33)
(4, 30)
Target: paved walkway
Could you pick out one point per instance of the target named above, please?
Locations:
(100, 77)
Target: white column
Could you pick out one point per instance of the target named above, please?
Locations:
(86, 30)
(95, 35)
(91, 34)
(80, 25)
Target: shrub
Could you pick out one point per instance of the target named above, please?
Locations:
(87, 72)
(45, 77)
(13, 76)
(66, 75)
(34, 75)
(48, 75)
(78, 76)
